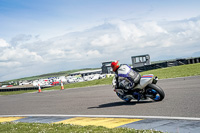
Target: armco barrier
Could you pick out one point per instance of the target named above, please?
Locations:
(21, 88)
(151, 67)
(167, 64)
(193, 60)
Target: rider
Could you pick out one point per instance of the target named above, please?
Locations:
(126, 78)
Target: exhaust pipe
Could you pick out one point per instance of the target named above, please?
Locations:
(155, 80)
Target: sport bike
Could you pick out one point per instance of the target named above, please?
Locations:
(145, 89)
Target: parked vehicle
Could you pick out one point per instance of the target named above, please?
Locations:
(4, 86)
(42, 82)
(79, 79)
(102, 76)
(55, 83)
(25, 82)
(62, 78)
(71, 79)
(10, 86)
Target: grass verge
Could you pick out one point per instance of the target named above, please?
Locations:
(162, 73)
(11, 127)
(176, 71)
(105, 81)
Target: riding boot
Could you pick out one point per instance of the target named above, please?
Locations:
(137, 96)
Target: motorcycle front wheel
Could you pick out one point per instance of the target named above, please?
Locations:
(155, 92)
(123, 98)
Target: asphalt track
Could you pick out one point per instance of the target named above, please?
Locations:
(179, 111)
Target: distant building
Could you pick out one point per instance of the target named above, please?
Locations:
(86, 72)
(140, 60)
(106, 67)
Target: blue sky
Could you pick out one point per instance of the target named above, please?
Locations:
(42, 36)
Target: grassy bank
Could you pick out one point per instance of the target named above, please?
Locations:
(11, 127)
(163, 73)
(176, 71)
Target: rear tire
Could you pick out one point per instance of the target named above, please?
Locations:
(156, 92)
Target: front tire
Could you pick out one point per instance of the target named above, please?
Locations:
(157, 94)
(123, 98)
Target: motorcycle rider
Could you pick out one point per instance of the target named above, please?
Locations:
(126, 78)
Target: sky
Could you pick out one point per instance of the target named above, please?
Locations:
(44, 36)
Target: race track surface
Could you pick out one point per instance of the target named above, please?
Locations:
(181, 100)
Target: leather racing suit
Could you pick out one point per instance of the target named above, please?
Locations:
(126, 78)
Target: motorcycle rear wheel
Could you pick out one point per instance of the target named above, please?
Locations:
(157, 94)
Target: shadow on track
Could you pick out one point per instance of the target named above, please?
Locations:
(121, 103)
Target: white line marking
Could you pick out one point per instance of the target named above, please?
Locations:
(106, 116)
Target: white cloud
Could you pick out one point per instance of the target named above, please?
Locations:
(152, 27)
(93, 53)
(104, 40)
(10, 64)
(119, 39)
(129, 30)
(56, 53)
(21, 55)
(3, 43)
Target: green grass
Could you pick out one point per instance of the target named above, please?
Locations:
(16, 92)
(162, 73)
(11, 127)
(176, 71)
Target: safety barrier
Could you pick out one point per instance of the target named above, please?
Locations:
(167, 64)
(22, 88)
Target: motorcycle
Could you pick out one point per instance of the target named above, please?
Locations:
(145, 89)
